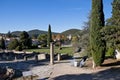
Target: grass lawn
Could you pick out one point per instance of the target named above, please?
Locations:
(64, 50)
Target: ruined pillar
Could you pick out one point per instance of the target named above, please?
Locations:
(51, 53)
(36, 57)
(15, 57)
(58, 56)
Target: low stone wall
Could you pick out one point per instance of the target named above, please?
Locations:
(11, 56)
(26, 78)
(41, 56)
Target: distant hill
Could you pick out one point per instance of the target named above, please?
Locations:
(16, 33)
(71, 31)
(36, 32)
(32, 32)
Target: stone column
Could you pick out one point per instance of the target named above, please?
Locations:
(51, 53)
(36, 57)
(15, 58)
(58, 56)
(25, 56)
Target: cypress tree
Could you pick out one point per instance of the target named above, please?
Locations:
(96, 43)
(116, 13)
(49, 38)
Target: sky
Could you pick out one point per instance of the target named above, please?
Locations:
(25, 15)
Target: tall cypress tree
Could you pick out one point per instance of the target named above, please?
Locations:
(96, 43)
(49, 38)
(116, 13)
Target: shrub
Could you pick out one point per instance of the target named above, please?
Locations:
(43, 45)
(13, 44)
(18, 48)
(34, 46)
(110, 52)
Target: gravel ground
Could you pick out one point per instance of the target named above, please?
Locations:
(51, 72)
(43, 72)
(64, 71)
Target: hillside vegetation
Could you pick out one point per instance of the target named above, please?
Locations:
(71, 31)
(34, 32)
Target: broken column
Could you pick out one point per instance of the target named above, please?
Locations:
(51, 53)
(58, 56)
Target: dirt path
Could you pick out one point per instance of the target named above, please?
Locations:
(64, 68)
(64, 71)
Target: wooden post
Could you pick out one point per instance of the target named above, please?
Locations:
(51, 53)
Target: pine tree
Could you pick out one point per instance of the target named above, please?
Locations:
(96, 43)
(49, 38)
(25, 40)
(13, 44)
(116, 13)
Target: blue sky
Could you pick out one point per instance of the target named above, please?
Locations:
(25, 15)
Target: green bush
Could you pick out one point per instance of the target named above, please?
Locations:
(110, 52)
(34, 46)
(13, 44)
(18, 48)
(44, 45)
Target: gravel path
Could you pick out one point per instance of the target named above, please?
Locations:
(62, 68)
(65, 68)
(64, 71)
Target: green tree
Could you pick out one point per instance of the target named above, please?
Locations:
(13, 44)
(9, 35)
(34, 36)
(75, 43)
(2, 43)
(43, 39)
(18, 48)
(49, 38)
(109, 22)
(112, 36)
(115, 19)
(97, 44)
(116, 12)
(25, 40)
(84, 35)
(112, 30)
(86, 25)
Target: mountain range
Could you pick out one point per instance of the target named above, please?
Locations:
(37, 32)
(31, 32)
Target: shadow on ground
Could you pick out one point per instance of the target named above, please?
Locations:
(116, 63)
(112, 72)
(109, 74)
